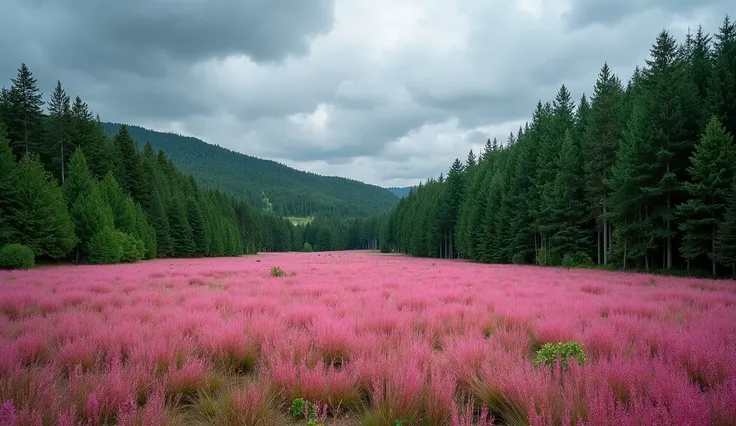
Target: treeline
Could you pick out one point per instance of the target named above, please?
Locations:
(67, 191)
(329, 234)
(640, 176)
(265, 184)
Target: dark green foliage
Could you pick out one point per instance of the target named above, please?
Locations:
(9, 183)
(711, 174)
(16, 256)
(639, 177)
(307, 248)
(550, 353)
(79, 180)
(21, 111)
(577, 260)
(90, 214)
(105, 247)
(132, 248)
(41, 217)
(114, 188)
(290, 192)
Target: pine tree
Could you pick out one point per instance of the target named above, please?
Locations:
(22, 113)
(711, 176)
(129, 170)
(59, 130)
(42, 218)
(600, 143)
(80, 179)
(90, 215)
(722, 82)
(725, 247)
(196, 221)
(568, 214)
(181, 231)
(115, 197)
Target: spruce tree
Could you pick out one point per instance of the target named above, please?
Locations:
(80, 180)
(196, 221)
(722, 82)
(600, 143)
(42, 220)
(129, 171)
(60, 144)
(22, 113)
(568, 214)
(90, 215)
(711, 176)
(181, 231)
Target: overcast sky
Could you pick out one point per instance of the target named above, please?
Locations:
(385, 91)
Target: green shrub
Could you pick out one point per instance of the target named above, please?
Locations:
(549, 352)
(105, 247)
(306, 247)
(518, 259)
(16, 256)
(577, 260)
(133, 249)
(277, 272)
(543, 257)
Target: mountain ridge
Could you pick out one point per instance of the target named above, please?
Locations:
(262, 182)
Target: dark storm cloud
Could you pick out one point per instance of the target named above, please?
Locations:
(611, 12)
(141, 36)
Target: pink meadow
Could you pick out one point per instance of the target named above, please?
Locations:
(370, 339)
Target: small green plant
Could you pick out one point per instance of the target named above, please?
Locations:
(297, 408)
(577, 260)
(277, 272)
(549, 352)
(16, 256)
(399, 422)
(307, 248)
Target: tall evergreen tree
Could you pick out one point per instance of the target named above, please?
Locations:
(568, 214)
(90, 215)
(22, 113)
(42, 218)
(80, 179)
(711, 176)
(60, 143)
(600, 143)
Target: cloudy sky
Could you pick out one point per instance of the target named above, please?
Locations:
(385, 91)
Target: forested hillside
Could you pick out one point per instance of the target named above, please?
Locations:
(402, 191)
(67, 191)
(639, 175)
(264, 183)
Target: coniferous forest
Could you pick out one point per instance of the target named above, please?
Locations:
(636, 175)
(69, 192)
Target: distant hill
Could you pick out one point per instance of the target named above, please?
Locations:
(290, 192)
(400, 192)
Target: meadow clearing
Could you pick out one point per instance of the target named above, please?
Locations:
(371, 339)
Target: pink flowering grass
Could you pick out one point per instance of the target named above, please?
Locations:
(377, 338)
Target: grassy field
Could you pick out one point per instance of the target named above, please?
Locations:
(296, 221)
(366, 339)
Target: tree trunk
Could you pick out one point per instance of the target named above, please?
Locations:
(598, 245)
(450, 251)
